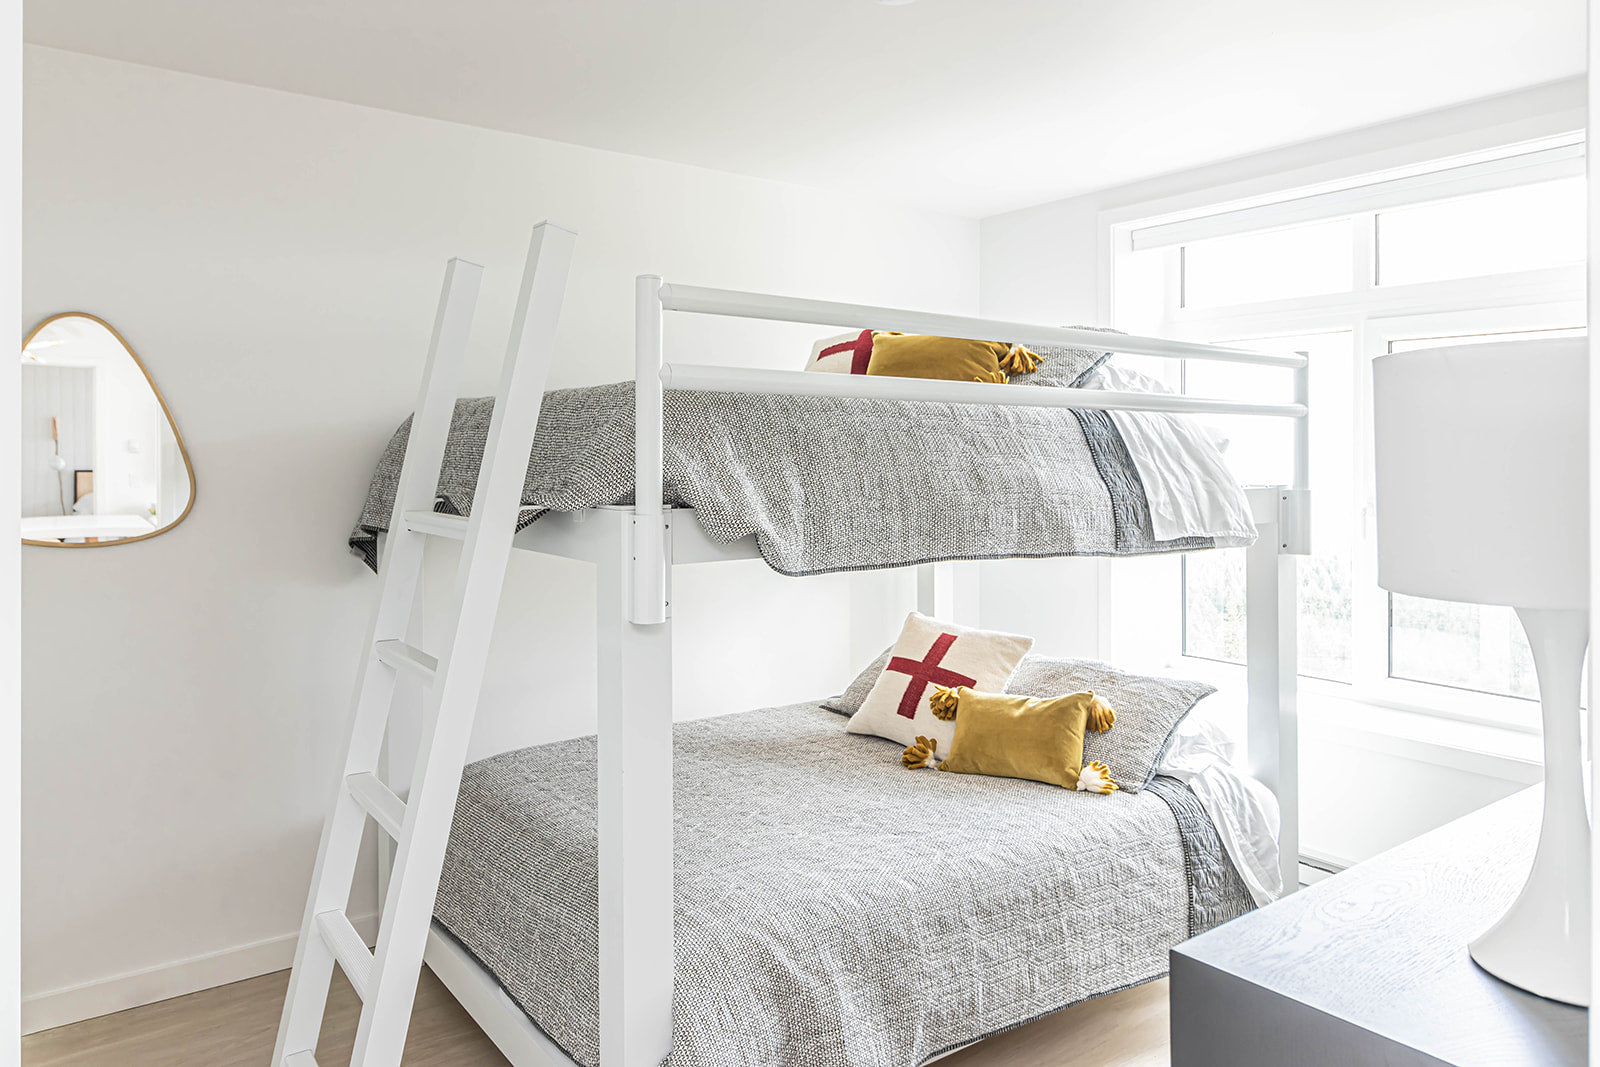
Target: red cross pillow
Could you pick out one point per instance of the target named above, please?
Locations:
(930, 654)
(847, 353)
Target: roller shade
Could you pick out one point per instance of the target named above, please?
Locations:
(1527, 168)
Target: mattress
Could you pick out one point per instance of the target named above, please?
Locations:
(833, 909)
(830, 484)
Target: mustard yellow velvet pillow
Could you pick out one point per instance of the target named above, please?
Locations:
(918, 355)
(1019, 737)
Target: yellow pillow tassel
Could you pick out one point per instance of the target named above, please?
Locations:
(1101, 715)
(943, 703)
(921, 754)
(1095, 777)
(1019, 361)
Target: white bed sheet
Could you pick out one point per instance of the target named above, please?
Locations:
(1203, 756)
(1190, 489)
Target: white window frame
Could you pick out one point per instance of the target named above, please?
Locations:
(1374, 315)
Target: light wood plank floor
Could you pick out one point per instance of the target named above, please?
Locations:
(234, 1026)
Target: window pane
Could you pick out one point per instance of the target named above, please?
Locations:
(1259, 453)
(1469, 646)
(1526, 228)
(1213, 605)
(1276, 265)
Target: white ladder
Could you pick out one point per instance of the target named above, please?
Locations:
(386, 978)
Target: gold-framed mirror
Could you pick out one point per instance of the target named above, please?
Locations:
(103, 462)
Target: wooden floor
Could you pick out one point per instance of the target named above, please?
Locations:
(236, 1024)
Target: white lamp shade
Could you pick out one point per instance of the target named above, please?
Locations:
(1483, 473)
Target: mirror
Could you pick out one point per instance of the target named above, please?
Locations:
(102, 461)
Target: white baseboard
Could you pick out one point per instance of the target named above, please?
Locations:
(58, 1007)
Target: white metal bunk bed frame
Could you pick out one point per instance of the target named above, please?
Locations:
(634, 549)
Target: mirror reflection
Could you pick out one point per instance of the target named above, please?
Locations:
(102, 462)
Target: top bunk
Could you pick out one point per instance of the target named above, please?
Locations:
(824, 472)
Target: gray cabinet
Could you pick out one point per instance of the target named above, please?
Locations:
(1370, 967)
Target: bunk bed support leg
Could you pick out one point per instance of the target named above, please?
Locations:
(933, 589)
(1270, 640)
(949, 591)
(1283, 523)
(635, 826)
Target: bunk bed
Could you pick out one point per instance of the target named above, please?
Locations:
(628, 936)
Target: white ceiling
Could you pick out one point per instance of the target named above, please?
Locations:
(967, 106)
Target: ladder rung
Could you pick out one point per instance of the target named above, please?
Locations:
(436, 523)
(402, 657)
(300, 1059)
(386, 809)
(348, 949)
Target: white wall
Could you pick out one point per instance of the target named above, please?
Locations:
(275, 260)
(10, 592)
(1362, 792)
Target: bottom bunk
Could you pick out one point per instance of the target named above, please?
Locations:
(832, 907)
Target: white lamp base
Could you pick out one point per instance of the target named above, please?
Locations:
(1542, 943)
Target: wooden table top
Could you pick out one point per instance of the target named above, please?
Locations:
(1383, 946)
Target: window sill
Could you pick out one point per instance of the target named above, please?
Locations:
(1479, 748)
(1327, 715)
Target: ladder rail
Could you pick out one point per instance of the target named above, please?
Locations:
(452, 706)
(398, 574)
(386, 977)
(458, 678)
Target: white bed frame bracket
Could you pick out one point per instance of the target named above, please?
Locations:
(1294, 521)
(650, 577)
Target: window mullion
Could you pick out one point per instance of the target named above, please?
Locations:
(1364, 259)
(1369, 608)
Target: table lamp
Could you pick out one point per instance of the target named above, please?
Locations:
(1482, 479)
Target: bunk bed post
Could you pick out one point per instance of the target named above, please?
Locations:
(649, 597)
(1282, 515)
(635, 828)
(634, 690)
(1302, 425)
(1270, 670)
(949, 590)
(933, 589)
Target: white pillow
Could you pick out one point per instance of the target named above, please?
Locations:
(845, 353)
(927, 655)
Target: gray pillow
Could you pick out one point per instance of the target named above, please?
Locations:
(1148, 710)
(849, 702)
(1060, 365)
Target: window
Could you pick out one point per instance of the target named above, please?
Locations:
(1299, 261)
(1508, 230)
(1213, 597)
(1358, 274)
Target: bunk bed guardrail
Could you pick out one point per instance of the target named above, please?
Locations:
(652, 374)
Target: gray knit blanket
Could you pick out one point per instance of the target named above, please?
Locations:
(833, 909)
(823, 484)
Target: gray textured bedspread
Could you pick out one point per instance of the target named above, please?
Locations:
(824, 484)
(833, 908)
